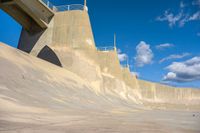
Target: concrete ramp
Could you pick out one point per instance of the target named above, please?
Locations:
(33, 15)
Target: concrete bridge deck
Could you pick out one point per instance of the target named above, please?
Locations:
(33, 15)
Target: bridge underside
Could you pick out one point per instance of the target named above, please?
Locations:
(33, 15)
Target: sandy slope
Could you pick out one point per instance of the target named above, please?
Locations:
(36, 96)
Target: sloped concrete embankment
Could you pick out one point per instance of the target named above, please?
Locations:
(37, 96)
(107, 77)
(29, 84)
(70, 36)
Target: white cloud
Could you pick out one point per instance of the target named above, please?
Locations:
(135, 74)
(170, 18)
(174, 56)
(182, 17)
(182, 4)
(189, 17)
(196, 2)
(122, 56)
(184, 20)
(195, 16)
(184, 71)
(170, 75)
(165, 45)
(119, 51)
(144, 54)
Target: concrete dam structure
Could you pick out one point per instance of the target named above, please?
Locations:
(59, 81)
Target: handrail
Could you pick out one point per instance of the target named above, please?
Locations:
(108, 48)
(62, 8)
(48, 4)
(70, 7)
(124, 65)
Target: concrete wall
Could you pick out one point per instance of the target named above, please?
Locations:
(66, 29)
(109, 63)
(72, 29)
(129, 78)
(70, 36)
(154, 92)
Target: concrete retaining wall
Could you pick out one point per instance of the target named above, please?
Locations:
(154, 92)
(70, 36)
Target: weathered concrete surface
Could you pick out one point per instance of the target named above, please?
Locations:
(36, 96)
(91, 93)
(70, 37)
(67, 29)
(167, 96)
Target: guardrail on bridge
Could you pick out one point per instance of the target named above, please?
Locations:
(108, 48)
(64, 7)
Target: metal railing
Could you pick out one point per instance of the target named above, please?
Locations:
(70, 7)
(124, 65)
(64, 7)
(108, 48)
(48, 4)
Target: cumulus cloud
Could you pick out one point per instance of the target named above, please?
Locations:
(144, 54)
(122, 56)
(174, 56)
(184, 71)
(163, 46)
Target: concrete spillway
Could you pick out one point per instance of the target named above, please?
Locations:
(70, 37)
(37, 96)
(73, 87)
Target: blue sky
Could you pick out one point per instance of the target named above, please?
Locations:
(161, 38)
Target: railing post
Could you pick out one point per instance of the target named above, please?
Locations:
(115, 47)
(85, 5)
(54, 9)
(48, 3)
(68, 7)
